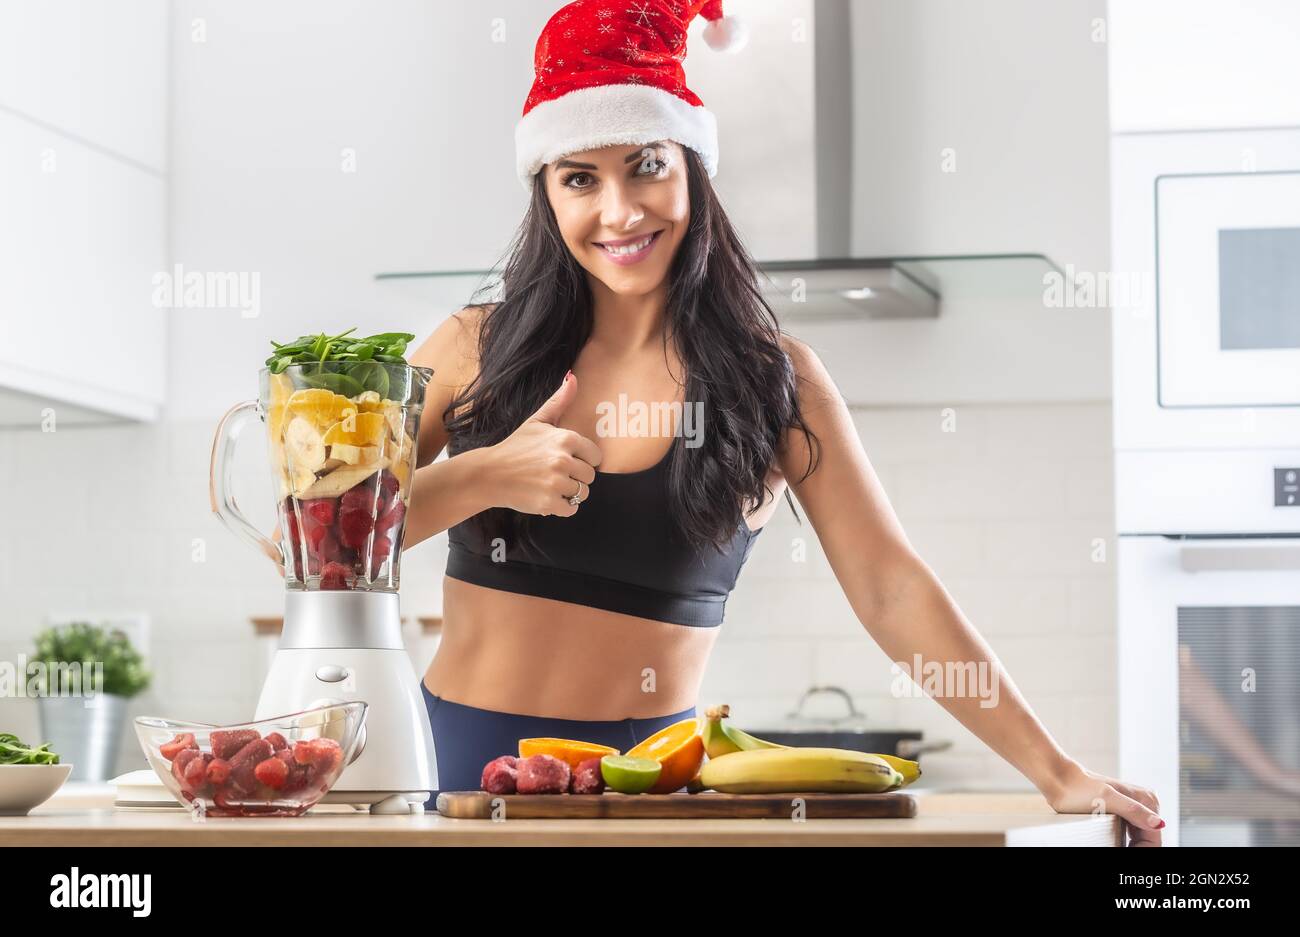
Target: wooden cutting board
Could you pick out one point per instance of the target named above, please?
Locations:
(478, 805)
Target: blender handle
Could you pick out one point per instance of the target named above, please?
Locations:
(219, 490)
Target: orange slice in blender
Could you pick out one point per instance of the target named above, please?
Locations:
(281, 388)
(679, 748)
(574, 752)
(322, 407)
(359, 429)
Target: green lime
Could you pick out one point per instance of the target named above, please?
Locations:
(629, 775)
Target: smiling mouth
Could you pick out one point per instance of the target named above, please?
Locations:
(629, 248)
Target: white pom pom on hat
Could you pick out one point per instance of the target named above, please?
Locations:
(726, 34)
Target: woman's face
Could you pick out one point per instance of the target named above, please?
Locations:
(609, 201)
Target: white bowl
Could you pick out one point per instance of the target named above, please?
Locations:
(25, 787)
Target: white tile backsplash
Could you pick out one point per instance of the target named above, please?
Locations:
(1005, 504)
(1005, 510)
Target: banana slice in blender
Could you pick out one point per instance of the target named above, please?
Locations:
(354, 455)
(304, 451)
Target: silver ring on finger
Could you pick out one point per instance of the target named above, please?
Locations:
(576, 498)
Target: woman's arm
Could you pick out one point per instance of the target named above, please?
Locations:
(445, 493)
(905, 608)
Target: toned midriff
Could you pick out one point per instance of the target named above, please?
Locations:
(542, 657)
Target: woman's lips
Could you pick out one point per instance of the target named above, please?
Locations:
(629, 250)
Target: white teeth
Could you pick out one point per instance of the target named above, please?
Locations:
(630, 248)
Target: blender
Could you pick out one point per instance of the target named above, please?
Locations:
(342, 448)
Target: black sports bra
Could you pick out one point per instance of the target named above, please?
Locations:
(619, 552)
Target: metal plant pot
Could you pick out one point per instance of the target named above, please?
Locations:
(85, 732)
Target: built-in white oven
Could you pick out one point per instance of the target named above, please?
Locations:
(1209, 685)
(1205, 235)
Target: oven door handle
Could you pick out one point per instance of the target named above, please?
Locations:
(1210, 559)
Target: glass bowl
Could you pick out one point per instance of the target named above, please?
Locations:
(277, 767)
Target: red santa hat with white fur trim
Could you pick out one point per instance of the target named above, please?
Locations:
(609, 73)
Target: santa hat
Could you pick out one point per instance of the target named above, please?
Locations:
(609, 73)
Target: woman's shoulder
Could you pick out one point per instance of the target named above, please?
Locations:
(451, 351)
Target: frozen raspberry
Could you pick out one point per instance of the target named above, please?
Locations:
(354, 526)
(499, 775)
(316, 540)
(320, 510)
(587, 778)
(336, 576)
(542, 774)
(388, 486)
(362, 497)
(390, 519)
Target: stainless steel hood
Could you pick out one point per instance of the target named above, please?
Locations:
(835, 285)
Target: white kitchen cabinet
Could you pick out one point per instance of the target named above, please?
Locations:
(92, 70)
(81, 237)
(83, 161)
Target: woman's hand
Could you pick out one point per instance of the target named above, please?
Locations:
(536, 469)
(1084, 791)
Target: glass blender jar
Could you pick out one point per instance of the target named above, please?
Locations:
(342, 443)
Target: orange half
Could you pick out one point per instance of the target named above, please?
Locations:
(574, 752)
(679, 748)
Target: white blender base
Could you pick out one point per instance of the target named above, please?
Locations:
(344, 646)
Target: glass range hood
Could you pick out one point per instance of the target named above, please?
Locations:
(863, 288)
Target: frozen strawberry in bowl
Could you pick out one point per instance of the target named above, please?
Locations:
(278, 767)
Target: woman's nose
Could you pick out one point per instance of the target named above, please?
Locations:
(619, 209)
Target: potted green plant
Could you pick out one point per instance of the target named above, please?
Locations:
(89, 674)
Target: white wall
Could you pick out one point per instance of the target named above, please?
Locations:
(1204, 64)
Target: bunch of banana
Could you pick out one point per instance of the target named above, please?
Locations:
(802, 766)
(799, 770)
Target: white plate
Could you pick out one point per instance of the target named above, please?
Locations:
(24, 787)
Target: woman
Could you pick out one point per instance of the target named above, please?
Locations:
(589, 569)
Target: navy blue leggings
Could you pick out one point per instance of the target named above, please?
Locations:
(466, 738)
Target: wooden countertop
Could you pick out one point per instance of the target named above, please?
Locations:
(943, 819)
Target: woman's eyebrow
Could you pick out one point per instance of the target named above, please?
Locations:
(640, 153)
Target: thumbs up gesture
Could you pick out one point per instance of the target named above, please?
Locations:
(537, 467)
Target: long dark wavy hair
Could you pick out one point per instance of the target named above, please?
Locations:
(727, 338)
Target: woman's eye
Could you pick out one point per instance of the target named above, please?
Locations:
(653, 167)
(568, 180)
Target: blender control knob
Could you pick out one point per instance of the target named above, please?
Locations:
(331, 673)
